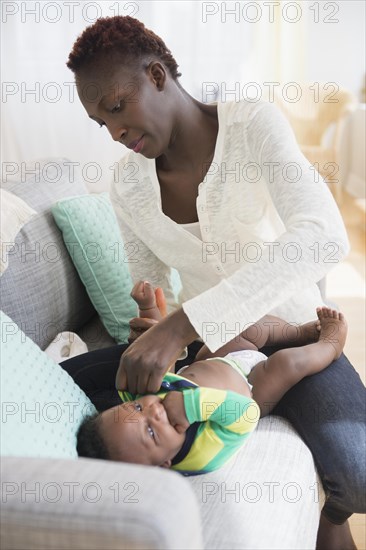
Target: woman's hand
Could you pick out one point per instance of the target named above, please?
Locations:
(173, 404)
(144, 364)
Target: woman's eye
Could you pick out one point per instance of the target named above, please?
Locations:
(151, 431)
(101, 125)
(138, 406)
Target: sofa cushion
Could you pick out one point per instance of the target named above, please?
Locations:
(14, 214)
(41, 290)
(92, 237)
(90, 504)
(267, 496)
(41, 405)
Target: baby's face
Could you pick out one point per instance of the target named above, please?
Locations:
(140, 432)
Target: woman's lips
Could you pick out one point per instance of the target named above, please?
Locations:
(139, 146)
(136, 145)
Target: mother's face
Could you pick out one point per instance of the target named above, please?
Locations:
(132, 104)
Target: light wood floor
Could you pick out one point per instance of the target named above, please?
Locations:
(346, 287)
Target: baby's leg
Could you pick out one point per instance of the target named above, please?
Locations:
(271, 379)
(237, 344)
(268, 331)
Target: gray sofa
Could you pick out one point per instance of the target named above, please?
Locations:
(267, 497)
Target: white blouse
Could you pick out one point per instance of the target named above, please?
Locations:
(193, 228)
(270, 228)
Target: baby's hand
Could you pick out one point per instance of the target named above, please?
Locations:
(151, 301)
(174, 406)
(143, 293)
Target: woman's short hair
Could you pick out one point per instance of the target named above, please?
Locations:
(124, 35)
(90, 443)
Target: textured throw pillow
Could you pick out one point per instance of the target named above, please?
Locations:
(92, 237)
(40, 289)
(41, 406)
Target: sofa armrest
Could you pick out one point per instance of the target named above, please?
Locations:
(92, 504)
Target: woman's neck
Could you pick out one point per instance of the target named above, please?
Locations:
(193, 138)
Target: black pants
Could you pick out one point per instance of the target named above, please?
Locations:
(95, 372)
(327, 410)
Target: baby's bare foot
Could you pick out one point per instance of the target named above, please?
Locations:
(309, 332)
(333, 328)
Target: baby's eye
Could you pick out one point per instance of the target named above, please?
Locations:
(101, 125)
(151, 431)
(116, 108)
(138, 406)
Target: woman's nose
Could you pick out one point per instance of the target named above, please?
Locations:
(117, 133)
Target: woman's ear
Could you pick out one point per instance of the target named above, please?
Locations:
(166, 464)
(157, 74)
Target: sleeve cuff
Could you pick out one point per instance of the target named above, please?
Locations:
(220, 305)
(190, 406)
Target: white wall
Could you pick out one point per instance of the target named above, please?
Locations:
(221, 47)
(336, 51)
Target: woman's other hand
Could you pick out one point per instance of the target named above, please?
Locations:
(144, 364)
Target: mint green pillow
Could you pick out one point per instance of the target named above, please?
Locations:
(41, 406)
(93, 239)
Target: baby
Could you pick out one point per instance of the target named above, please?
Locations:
(198, 420)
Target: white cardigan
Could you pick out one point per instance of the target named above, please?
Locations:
(270, 228)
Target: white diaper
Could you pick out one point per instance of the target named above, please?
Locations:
(242, 361)
(247, 359)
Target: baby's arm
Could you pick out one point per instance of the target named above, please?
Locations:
(233, 412)
(227, 420)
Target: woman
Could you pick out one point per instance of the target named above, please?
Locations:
(222, 193)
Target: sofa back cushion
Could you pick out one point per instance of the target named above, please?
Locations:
(41, 290)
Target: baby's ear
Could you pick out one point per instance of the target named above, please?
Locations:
(166, 464)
